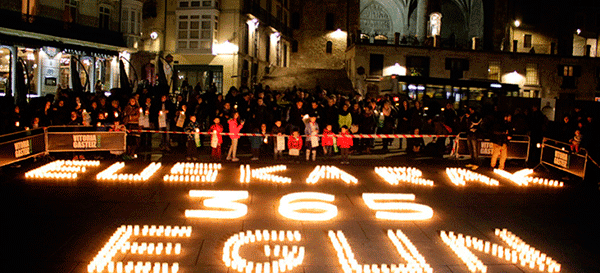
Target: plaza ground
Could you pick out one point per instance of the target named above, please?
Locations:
(59, 226)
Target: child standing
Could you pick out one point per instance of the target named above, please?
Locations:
(345, 142)
(311, 130)
(327, 141)
(279, 140)
(235, 125)
(193, 138)
(216, 139)
(257, 140)
(294, 145)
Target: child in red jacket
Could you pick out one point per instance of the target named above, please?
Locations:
(216, 139)
(294, 145)
(327, 141)
(345, 142)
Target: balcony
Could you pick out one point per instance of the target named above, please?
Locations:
(253, 7)
(43, 25)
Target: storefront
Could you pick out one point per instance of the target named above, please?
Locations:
(47, 70)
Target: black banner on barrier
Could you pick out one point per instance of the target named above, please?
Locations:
(86, 141)
(558, 155)
(517, 148)
(22, 148)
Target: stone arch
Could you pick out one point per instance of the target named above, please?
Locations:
(374, 19)
(472, 12)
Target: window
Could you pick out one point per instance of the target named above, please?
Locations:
(296, 20)
(71, 11)
(494, 71)
(417, 66)
(569, 74)
(527, 40)
(376, 64)
(104, 17)
(531, 75)
(196, 31)
(330, 21)
(329, 47)
(294, 46)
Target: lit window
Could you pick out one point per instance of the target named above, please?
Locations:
(532, 75)
(494, 71)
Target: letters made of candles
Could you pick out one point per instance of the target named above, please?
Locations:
(165, 248)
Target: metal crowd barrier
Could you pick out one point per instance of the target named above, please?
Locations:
(517, 147)
(85, 139)
(18, 146)
(559, 155)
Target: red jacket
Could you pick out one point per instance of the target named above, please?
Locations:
(327, 139)
(345, 140)
(295, 143)
(234, 128)
(219, 129)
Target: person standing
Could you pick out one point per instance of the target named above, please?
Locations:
(193, 138)
(327, 141)
(216, 139)
(345, 142)
(473, 134)
(500, 138)
(312, 140)
(235, 126)
(279, 140)
(131, 119)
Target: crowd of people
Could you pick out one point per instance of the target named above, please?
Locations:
(326, 120)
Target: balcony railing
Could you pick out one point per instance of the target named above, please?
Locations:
(43, 25)
(253, 7)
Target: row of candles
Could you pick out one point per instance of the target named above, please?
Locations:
(395, 175)
(290, 257)
(415, 261)
(523, 178)
(62, 169)
(207, 172)
(389, 209)
(528, 254)
(110, 173)
(119, 242)
(460, 177)
(518, 251)
(193, 172)
(264, 174)
(330, 172)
